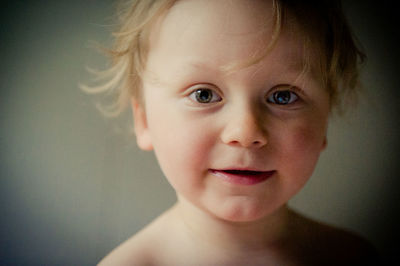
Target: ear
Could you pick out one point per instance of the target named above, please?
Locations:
(141, 129)
(324, 143)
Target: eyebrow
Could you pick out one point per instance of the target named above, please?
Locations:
(204, 65)
(155, 79)
(293, 68)
(297, 67)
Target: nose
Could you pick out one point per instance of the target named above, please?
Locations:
(244, 128)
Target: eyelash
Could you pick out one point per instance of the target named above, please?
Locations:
(271, 98)
(196, 94)
(289, 97)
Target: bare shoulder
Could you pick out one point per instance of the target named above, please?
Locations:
(136, 250)
(131, 252)
(141, 249)
(323, 244)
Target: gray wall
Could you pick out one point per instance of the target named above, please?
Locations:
(73, 184)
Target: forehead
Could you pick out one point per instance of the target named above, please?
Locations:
(210, 34)
(228, 16)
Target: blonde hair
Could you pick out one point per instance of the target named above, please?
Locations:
(325, 32)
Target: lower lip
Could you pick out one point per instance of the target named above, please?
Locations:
(247, 178)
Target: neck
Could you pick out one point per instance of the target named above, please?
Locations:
(205, 228)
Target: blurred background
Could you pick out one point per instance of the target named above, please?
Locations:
(73, 185)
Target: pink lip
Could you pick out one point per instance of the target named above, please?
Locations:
(242, 177)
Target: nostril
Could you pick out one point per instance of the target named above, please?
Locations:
(257, 143)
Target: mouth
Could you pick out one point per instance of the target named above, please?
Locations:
(242, 177)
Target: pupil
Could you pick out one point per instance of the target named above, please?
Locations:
(203, 95)
(282, 97)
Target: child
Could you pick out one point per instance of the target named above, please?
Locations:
(234, 97)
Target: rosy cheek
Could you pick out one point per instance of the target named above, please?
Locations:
(182, 145)
(306, 139)
(196, 145)
(299, 147)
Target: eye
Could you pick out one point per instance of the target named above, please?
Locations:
(282, 97)
(205, 96)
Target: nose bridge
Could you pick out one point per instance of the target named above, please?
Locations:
(244, 126)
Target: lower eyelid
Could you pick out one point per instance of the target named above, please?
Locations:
(192, 96)
(272, 95)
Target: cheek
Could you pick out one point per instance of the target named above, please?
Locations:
(299, 148)
(181, 150)
(306, 140)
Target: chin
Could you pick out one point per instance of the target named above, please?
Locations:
(243, 214)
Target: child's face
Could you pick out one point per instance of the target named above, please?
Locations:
(202, 121)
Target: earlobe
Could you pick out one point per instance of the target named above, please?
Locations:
(324, 143)
(141, 129)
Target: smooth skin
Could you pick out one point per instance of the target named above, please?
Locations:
(201, 119)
